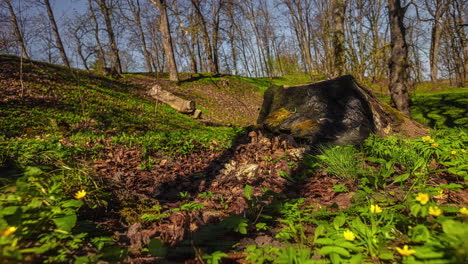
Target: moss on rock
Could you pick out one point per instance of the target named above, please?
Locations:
(304, 128)
(275, 118)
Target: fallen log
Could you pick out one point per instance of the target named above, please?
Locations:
(179, 104)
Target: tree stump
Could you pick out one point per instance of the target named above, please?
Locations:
(338, 111)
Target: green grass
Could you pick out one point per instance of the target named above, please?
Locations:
(442, 109)
(78, 102)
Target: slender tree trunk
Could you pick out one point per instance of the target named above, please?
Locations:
(434, 51)
(206, 38)
(398, 64)
(440, 7)
(232, 36)
(116, 65)
(189, 45)
(166, 32)
(215, 34)
(136, 10)
(58, 40)
(101, 54)
(79, 49)
(19, 36)
(339, 9)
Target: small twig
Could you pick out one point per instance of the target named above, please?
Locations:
(21, 75)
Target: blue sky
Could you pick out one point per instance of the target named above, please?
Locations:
(67, 7)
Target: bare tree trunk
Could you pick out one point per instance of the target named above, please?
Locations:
(136, 12)
(216, 9)
(101, 54)
(79, 48)
(436, 11)
(116, 65)
(19, 36)
(206, 38)
(189, 45)
(299, 12)
(58, 40)
(166, 32)
(339, 9)
(460, 8)
(398, 64)
(232, 36)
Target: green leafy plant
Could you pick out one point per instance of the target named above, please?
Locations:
(342, 161)
(215, 257)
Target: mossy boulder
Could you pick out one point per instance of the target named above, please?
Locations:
(338, 111)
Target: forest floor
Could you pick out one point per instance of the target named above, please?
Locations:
(161, 187)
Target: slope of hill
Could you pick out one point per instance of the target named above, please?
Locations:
(92, 170)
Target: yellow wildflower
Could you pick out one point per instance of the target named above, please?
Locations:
(453, 152)
(435, 145)
(80, 194)
(440, 195)
(405, 251)
(426, 138)
(423, 198)
(435, 211)
(375, 209)
(463, 150)
(463, 211)
(10, 230)
(349, 235)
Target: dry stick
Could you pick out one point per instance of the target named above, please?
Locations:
(21, 74)
(21, 60)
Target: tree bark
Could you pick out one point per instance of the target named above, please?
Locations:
(232, 36)
(189, 45)
(166, 32)
(206, 38)
(101, 54)
(116, 65)
(19, 36)
(136, 11)
(299, 12)
(398, 64)
(58, 39)
(440, 7)
(339, 9)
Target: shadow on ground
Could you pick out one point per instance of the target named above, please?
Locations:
(443, 110)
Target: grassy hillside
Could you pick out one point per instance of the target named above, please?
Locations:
(92, 169)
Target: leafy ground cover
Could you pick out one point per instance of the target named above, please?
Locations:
(93, 170)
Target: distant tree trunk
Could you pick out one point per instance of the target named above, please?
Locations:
(299, 12)
(166, 32)
(19, 36)
(189, 45)
(398, 64)
(339, 9)
(101, 54)
(79, 47)
(116, 65)
(58, 40)
(216, 9)
(436, 11)
(136, 11)
(206, 38)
